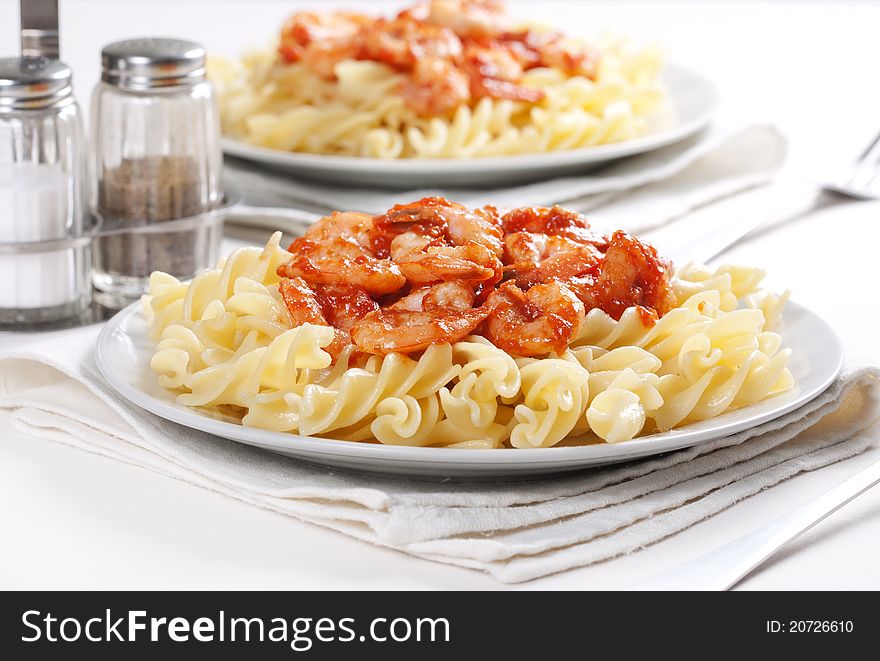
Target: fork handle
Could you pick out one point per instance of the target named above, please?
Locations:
(726, 566)
(704, 244)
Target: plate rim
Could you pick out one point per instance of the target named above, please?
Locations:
(443, 166)
(523, 458)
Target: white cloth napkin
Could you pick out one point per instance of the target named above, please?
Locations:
(516, 531)
(660, 185)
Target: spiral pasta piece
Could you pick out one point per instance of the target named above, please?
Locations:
(555, 393)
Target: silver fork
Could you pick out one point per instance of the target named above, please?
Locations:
(726, 566)
(859, 180)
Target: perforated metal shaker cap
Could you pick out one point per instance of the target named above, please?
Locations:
(152, 62)
(33, 82)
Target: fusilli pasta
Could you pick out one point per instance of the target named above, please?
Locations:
(287, 106)
(225, 340)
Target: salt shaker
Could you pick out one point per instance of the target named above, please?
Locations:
(44, 229)
(157, 158)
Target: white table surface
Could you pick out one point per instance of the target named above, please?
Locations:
(76, 520)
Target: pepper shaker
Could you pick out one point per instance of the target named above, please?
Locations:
(157, 160)
(44, 238)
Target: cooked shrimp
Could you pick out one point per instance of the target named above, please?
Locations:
(301, 302)
(344, 305)
(536, 258)
(524, 46)
(336, 250)
(423, 218)
(305, 30)
(555, 221)
(450, 51)
(337, 306)
(468, 18)
(347, 225)
(479, 226)
(435, 87)
(433, 239)
(402, 42)
(631, 274)
(432, 315)
(439, 218)
(573, 59)
(340, 262)
(494, 72)
(426, 273)
(471, 262)
(543, 48)
(531, 247)
(533, 323)
(442, 297)
(323, 56)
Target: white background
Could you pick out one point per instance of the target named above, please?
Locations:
(74, 520)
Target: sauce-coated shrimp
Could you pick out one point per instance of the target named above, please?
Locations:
(631, 274)
(554, 221)
(435, 87)
(402, 42)
(324, 31)
(535, 258)
(468, 18)
(433, 315)
(494, 72)
(341, 261)
(575, 60)
(439, 218)
(349, 225)
(433, 239)
(533, 323)
(450, 52)
(425, 261)
(428, 272)
(338, 306)
(336, 251)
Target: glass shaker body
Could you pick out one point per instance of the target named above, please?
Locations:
(44, 228)
(157, 162)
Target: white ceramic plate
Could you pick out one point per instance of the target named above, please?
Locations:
(124, 351)
(693, 97)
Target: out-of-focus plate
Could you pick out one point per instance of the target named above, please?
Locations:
(124, 351)
(693, 99)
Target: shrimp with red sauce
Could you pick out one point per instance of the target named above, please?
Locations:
(554, 221)
(335, 252)
(467, 18)
(428, 272)
(434, 239)
(450, 52)
(431, 315)
(337, 306)
(423, 260)
(402, 42)
(436, 87)
(533, 323)
(495, 72)
(631, 274)
(536, 258)
(321, 40)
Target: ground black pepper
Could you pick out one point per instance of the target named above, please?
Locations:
(145, 191)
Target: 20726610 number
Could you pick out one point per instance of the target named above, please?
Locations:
(810, 626)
